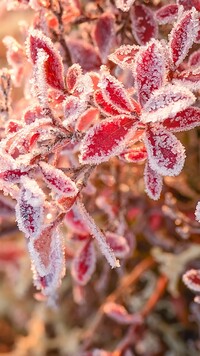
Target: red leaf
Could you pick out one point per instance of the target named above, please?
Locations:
(74, 222)
(73, 74)
(53, 65)
(114, 92)
(183, 36)
(13, 175)
(32, 114)
(104, 105)
(104, 34)
(184, 120)
(192, 279)
(188, 4)
(167, 102)
(89, 117)
(165, 153)
(83, 264)
(66, 203)
(124, 56)
(118, 244)
(30, 207)
(167, 14)
(149, 70)
(189, 78)
(84, 54)
(106, 139)
(144, 25)
(134, 154)
(153, 182)
(58, 181)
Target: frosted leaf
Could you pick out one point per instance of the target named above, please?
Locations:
(104, 105)
(107, 139)
(184, 120)
(165, 153)
(192, 279)
(189, 79)
(83, 87)
(149, 70)
(53, 66)
(40, 78)
(41, 248)
(197, 212)
(167, 14)
(124, 5)
(73, 74)
(32, 114)
(144, 25)
(104, 34)
(13, 175)
(124, 56)
(13, 126)
(183, 36)
(194, 59)
(48, 280)
(153, 182)
(85, 120)
(15, 58)
(188, 4)
(134, 154)
(58, 181)
(98, 235)
(83, 265)
(119, 314)
(73, 108)
(75, 222)
(167, 102)
(118, 244)
(84, 54)
(114, 92)
(30, 208)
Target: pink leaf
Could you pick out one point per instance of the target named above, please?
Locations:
(153, 182)
(106, 139)
(149, 70)
(194, 59)
(104, 105)
(89, 117)
(73, 108)
(192, 279)
(84, 54)
(83, 264)
(134, 154)
(13, 175)
(53, 65)
(184, 120)
(167, 102)
(119, 314)
(104, 33)
(124, 56)
(58, 181)
(124, 5)
(98, 235)
(114, 92)
(167, 14)
(165, 153)
(144, 26)
(118, 244)
(32, 114)
(183, 36)
(48, 269)
(73, 74)
(30, 208)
